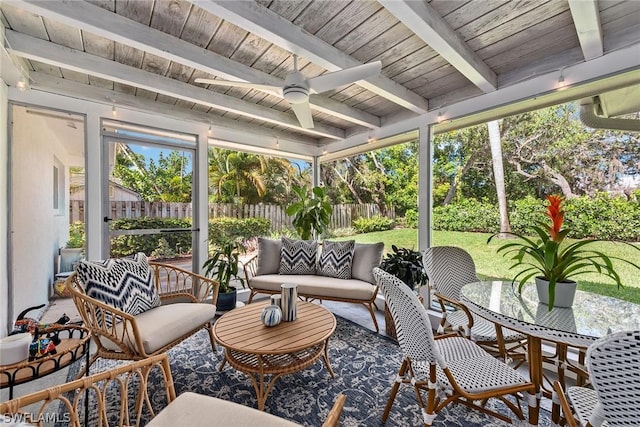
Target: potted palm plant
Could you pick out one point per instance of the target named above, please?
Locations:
(553, 263)
(223, 267)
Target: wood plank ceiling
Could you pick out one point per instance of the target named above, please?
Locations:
(433, 53)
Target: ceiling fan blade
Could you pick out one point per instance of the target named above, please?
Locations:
(247, 85)
(344, 77)
(303, 113)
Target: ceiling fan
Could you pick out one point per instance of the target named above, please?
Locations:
(297, 88)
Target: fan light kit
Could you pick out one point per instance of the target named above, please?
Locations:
(297, 87)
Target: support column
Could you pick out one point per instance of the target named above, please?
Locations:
(97, 244)
(201, 200)
(315, 172)
(425, 178)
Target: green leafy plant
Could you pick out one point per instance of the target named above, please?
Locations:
(223, 264)
(311, 215)
(548, 258)
(76, 235)
(406, 265)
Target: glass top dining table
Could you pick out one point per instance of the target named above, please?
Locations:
(591, 317)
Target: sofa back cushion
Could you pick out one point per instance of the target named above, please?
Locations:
(124, 283)
(366, 257)
(298, 256)
(336, 259)
(268, 256)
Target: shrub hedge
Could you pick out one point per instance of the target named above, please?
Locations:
(599, 217)
(375, 223)
(180, 243)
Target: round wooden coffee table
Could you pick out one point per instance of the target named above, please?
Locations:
(260, 351)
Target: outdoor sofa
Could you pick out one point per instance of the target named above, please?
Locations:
(336, 271)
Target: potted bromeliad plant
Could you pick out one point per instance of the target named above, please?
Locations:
(553, 263)
(223, 267)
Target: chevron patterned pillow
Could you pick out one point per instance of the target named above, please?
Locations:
(336, 259)
(298, 256)
(124, 283)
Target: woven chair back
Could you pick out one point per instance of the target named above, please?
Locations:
(449, 268)
(412, 321)
(614, 368)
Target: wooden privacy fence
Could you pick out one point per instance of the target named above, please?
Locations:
(342, 217)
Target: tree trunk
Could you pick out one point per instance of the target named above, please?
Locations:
(498, 174)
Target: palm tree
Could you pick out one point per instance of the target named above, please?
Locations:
(232, 172)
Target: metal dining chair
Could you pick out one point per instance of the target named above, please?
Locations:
(449, 368)
(614, 371)
(450, 268)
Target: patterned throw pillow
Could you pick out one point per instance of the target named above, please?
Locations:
(298, 256)
(124, 283)
(336, 259)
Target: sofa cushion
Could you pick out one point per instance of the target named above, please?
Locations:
(123, 283)
(166, 323)
(268, 255)
(366, 257)
(319, 286)
(191, 409)
(336, 259)
(298, 256)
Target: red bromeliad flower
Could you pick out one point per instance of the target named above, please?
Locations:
(555, 212)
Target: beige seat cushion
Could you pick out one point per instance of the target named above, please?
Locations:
(161, 325)
(309, 284)
(191, 409)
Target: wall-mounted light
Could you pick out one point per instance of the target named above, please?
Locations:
(277, 144)
(371, 139)
(324, 152)
(561, 83)
(210, 131)
(114, 112)
(22, 84)
(440, 118)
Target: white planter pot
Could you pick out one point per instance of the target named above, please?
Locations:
(564, 292)
(15, 348)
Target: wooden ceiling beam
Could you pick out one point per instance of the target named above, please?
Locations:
(99, 21)
(66, 58)
(222, 127)
(270, 26)
(586, 18)
(425, 22)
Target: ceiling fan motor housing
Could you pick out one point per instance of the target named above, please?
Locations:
(296, 88)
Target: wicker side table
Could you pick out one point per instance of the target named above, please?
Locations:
(73, 345)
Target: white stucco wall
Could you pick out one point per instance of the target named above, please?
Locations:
(37, 229)
(4, 280)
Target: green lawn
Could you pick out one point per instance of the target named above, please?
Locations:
(491, 265)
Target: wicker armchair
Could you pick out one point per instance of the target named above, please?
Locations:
(449, 368)
(450, 268)
(188, 305)
(612, 362)
(114, 401)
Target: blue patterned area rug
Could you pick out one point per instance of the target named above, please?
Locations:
(365, 364)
